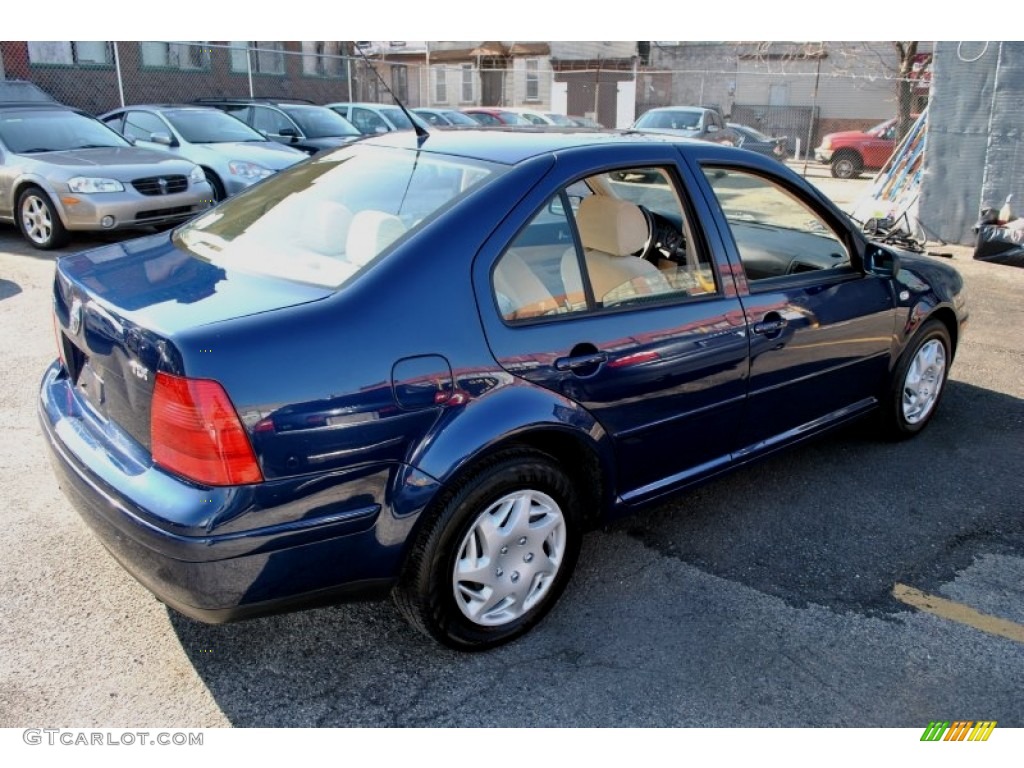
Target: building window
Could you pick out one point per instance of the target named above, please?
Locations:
(188, 55)
(321, 59)
(532, 80)
(76, 52)
(466, 95)
(400, 81)
(440, 85)
(266, 58)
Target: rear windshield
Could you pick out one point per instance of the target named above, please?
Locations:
(676, 119)
(323, 221)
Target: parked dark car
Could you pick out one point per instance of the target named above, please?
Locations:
(753, 140)
(446, 118)
(425, 366)
(296, 123)
(690, 122)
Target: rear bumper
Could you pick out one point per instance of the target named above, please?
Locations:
(823, 155)
(204, 551)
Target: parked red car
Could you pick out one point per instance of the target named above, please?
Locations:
(495, 116)
(850, 152)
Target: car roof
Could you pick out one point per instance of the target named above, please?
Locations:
(161, 107)
(513, 144)
(39, 106)
(365, 104)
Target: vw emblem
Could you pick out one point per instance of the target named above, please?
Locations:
(75, 316)
(163, 185)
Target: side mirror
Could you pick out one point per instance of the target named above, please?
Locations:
(712, 129)
(163, 138)
(881, 261)
(380, 129)
(289, 133)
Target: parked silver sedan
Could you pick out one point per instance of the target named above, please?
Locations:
(232, 155)
(62, 170)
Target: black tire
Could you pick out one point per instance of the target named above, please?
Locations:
(915, 392)
(216, 185)
(846, 165)
(39, 221)
(426, 592)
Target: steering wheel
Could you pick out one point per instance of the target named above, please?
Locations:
(664, 240)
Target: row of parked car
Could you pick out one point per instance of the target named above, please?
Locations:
(61, 170)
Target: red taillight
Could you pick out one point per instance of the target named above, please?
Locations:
(195, 432)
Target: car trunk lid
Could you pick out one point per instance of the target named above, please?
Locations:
(118, 316)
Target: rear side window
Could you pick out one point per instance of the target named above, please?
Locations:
(323, 221)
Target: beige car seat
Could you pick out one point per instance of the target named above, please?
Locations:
(612, 230)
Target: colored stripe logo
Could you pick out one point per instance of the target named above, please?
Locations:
(960, 730)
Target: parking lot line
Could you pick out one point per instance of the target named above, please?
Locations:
(958, 612)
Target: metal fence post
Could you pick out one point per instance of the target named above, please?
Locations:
(248, 69)
(117, 66)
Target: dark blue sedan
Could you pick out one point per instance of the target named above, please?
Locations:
(424, 366)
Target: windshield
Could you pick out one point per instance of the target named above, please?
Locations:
(320, 122)
(878, 130)
(457, 118)
(322, 221)
(511, 118)
(210, 126)
(675, 119)
(560, 119)
(32, 131)
(397, 117)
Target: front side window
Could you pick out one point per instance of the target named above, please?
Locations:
(271, 121)
(322, 221)
(142, 125)
(607, 241)
(775, 231)
(368, 121)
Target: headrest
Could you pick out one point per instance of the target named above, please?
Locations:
(611, 225)
(369, 234)
(325, 226)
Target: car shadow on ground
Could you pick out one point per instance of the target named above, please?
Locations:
(8, 288)
(668, 606)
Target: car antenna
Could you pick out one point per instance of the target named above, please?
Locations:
(421, 130)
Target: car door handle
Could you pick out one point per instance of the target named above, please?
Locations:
(770, 326)
(579, 362)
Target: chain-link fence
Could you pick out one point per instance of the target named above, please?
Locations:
(799, 101)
